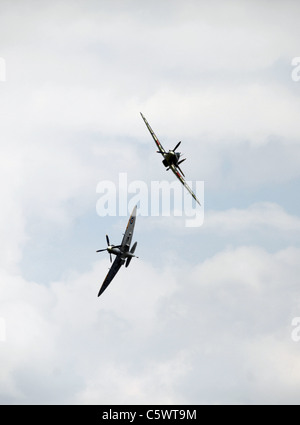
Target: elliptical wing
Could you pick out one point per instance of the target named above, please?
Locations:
(158, 144)
(181, 178)
(116, 265)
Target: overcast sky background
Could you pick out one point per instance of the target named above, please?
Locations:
(205, 314)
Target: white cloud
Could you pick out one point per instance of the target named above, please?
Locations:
(268, 355)
(259, 220)
(163, 337)
(156, 383)
(12, 221)
(227, 114)
(257, 216)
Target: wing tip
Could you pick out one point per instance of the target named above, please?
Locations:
(100, 291)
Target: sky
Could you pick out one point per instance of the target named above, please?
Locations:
(206, 314)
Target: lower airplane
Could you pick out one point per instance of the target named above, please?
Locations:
(122, 252)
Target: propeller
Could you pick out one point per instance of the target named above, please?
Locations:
(106, 249)
(181, 161)
(176, 146)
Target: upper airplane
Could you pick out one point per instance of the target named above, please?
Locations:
(121, 251)
(171, 159)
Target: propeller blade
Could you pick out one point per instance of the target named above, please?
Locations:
(110, 257)
(100, 250)
(107, 240)
(181, 161)
(176, 146)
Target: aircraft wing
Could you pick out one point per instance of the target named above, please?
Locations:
(118, 262)
(161, 149)
(126, 241)
(181, 178)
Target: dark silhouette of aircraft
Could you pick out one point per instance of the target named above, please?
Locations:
(171, 160)
(123, 252)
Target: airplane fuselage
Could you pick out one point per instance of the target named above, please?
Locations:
(113, 250)
(171, 158)
(117, 251)
(123, 252)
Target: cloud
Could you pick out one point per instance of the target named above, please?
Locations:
(262, 218)
(257, 216)
(12, 227)
(220, 319)
(51, 329)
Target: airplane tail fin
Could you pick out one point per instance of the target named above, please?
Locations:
(131, 254)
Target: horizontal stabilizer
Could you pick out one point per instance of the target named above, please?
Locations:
(128, 261)
(131, 252)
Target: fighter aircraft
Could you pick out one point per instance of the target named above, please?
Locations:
(123, 255)
(171, 159)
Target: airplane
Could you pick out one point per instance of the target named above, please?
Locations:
(123, 252)
(171, 160)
